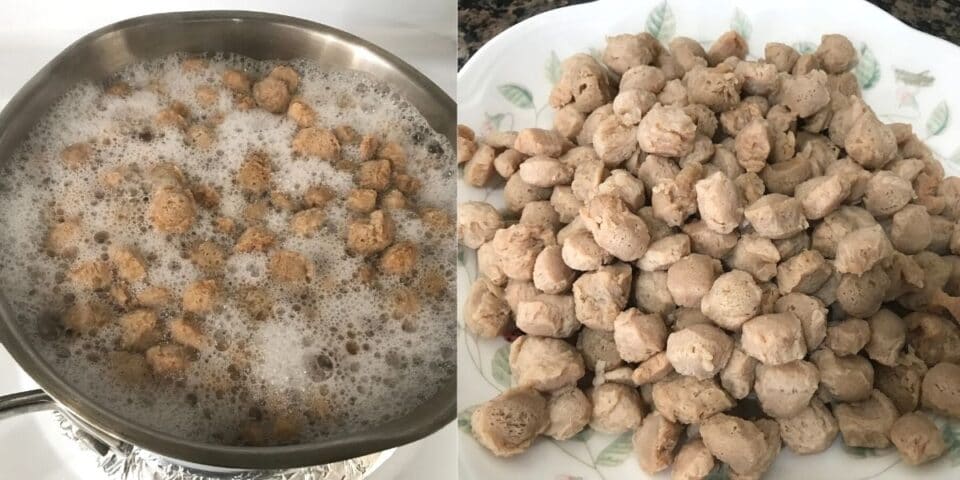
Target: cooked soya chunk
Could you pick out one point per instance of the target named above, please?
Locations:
(784, 390)
(655, 441)
(569, 412)
(737, 442)
(508, 424)
(724, 234)
(700, 351)
(867, 423)
(812, 430)
(940, 392)
(688, 400)
(486, 312)
(917, 438)
(545, 364)
(845, 379)
(774, 339)
(616, 408)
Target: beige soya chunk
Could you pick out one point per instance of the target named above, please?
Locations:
(940, 391)
(774, 339)
(202, 297)
(317, 196)
(371, 235)
(361, 200)
(700, 350)
(486, 312)
(785, 390)
(569, 411)
(316, 142)
(254, 175)
(693, 461)
(139, 330)
(289, 267)
(466, 144)
(187, 333)
(257, 302)
(508, 424)
(547, 315)
(77, 155)
(688, 400)
(737, 442)
(206, 95)
(86, 317)
(91, 275)
(617, 408)
(176, 115)
(62, 238)
(208, 256)
(129, 263)
(172, 209)
(867, 423)
(254, 239)
(236, 81)
(399, 259)
(154, 297)
(168, 360)
(917, 438)
(374, 175)
(545, 364)
(654, 442)
(306, 223)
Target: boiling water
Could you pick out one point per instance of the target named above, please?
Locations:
(334, 356)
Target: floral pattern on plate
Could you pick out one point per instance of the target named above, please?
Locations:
(899, 93)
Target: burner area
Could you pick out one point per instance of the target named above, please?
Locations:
(122, 461)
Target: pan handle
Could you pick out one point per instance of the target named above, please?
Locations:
(25, 402)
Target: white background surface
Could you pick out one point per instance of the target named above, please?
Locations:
(422, 33)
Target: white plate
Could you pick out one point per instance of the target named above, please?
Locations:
(32, 447)
(906, 75)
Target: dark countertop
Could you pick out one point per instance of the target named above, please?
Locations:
(481, 20)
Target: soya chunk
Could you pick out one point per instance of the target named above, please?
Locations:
(867, 423)
(774, 339)
(545, 364)
(917, 438)
(699, 350)
(812, 430)
(688, 400)
(509, 423)
(655, 441)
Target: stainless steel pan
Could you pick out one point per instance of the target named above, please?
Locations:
(258, 35)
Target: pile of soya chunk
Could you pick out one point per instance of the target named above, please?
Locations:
(740, 246)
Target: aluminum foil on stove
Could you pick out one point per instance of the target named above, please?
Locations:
(122, 461)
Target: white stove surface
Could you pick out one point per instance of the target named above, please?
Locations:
(422, 33)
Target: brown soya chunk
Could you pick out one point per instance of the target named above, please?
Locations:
(717, 217)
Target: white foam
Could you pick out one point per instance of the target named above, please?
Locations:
(380, 370)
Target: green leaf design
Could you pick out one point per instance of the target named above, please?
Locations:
(617, 451)
(661, 23)
(919, 79)
(552, 69)
(463, 419)
(495, 119)
(867, 70)
(500, 366)
(518, 95)
(720, 472)
(951, 437)
(863, 452)
(584, 435)
(939, 119)
(804, 47)
(741, 24)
